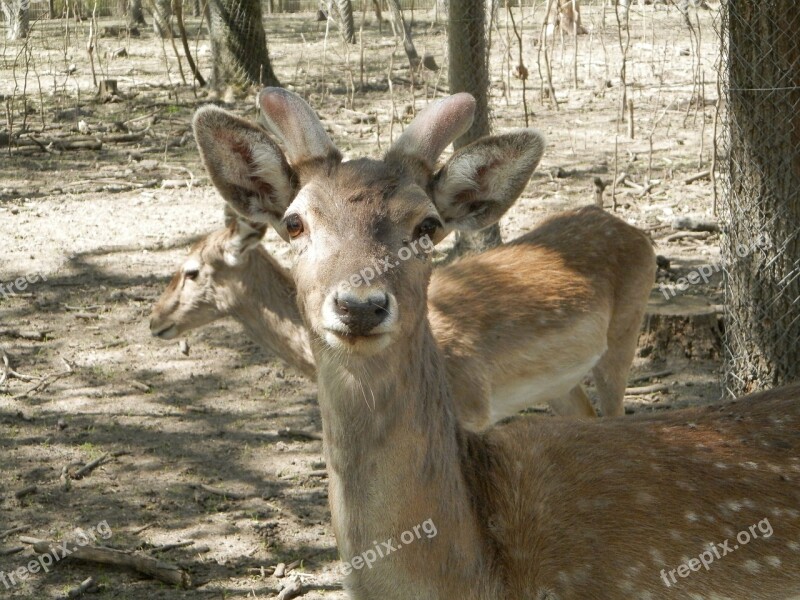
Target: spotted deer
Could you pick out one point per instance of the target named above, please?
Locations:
(518, 325)
(530, 508)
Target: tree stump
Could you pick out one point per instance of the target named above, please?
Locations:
(108, 88)
(681, 327)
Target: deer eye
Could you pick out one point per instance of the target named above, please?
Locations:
(294, 225)
(191, 273)
(428, 228)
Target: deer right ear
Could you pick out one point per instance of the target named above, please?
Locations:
(482, 180)
(245, 165)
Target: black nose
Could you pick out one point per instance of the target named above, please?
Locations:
(361, 315)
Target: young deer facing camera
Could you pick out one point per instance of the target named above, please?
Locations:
(531, 509)
(518, 325)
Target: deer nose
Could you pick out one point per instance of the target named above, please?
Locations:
(361, 315)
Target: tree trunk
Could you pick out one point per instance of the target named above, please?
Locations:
(16, 13)
(162, 18)
(376, 4)
(133, 13)
(401, 28)
(569, 17)
(762, 248)
(468, 72)
(441, 8)
(239, 44)
(346, 23)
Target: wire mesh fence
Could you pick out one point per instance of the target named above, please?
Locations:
(759, 150)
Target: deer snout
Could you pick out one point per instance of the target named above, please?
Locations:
(162, 328)
(361, 315)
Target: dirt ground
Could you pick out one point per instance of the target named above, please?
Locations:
(106, 227)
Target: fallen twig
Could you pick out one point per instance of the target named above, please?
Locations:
(82, 308)
(90, 466)
(147, 565)
(220, 492)
(6, 368)
(85, 586)
(291, 590)
(17, 529)
(299, 433)
(166, 547)
(11, 550)
(697, 177)
(86, 316)
(34, 336)
(142, 528)
(45, 382)
(694, 235)
(647, 389)
(8, 372)
(26, 491)
(649, 376)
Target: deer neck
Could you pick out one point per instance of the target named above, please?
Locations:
(393, 450)
(265, 305)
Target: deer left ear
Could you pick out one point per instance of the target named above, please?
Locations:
(481, 181)
(244, 237)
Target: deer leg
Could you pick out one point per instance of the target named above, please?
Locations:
(575, 404)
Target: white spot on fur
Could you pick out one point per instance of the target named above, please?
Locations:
(773, 561)
(751, 566)
(691, 517)
(734, 505)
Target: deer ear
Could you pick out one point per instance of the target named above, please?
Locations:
(244, 237)
(481, 181)
(245, 165)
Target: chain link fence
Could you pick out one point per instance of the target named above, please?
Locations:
(758, 149)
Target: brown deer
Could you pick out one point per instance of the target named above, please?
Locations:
(530, 509)
(228, 273)
(553, 311)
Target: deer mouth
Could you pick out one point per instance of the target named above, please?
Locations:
(167, 333)
(362, 343)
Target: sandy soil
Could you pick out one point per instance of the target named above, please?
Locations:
(107, 227)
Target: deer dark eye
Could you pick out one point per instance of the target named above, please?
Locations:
(428, 228)
(191, 273)
(294, 225)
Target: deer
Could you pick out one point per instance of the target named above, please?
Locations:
(530, 508)
(229, 273)
(553, 311)
(504, 516)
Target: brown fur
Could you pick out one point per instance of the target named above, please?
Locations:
(530, 509)
(486, 310)
(257, 292)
